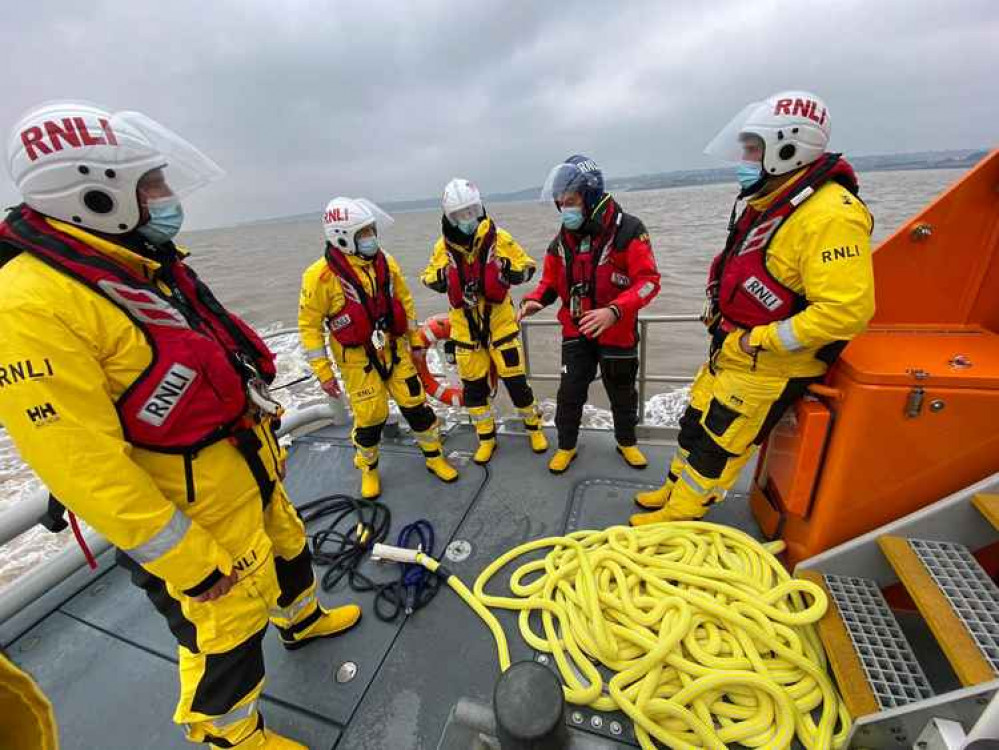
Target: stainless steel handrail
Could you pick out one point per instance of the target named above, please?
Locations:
(644, 378)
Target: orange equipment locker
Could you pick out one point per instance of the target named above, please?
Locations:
(910, 412)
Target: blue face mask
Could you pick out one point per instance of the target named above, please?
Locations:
(367, 246)
(468, 226)
(165, 218)
(748, 173)
(572, 217)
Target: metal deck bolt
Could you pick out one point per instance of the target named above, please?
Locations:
(596, 722)
(346, 672)
(616, 728)
(542, 659)
(458, 551)
(577, 717)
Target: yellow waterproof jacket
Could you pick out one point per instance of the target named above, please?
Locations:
(823, 251)
(321, 298)
(502, 316)
(67, 354)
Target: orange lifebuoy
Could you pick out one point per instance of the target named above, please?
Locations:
(438, 328)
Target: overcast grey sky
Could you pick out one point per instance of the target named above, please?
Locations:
(300, 101)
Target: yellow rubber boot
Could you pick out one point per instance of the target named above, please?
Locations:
(371, 484)
(669, 512)
(655, 499)
(532, 423)
(485, 451)
(329, 622)
(632, 456)
(438, 466)
(689, 500)
(485, 429)
(561, 460)
(430, 443)
(366, 459)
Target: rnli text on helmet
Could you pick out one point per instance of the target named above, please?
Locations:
(73, 132)
(804, 107)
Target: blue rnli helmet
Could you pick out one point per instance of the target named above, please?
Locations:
(577, 174)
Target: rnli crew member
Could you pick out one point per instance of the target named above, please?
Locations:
(141, 402)
(793, 284)
(357, 290)
(475, 263)
(601, 266)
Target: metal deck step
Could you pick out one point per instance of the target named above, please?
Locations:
(957, 599)
(873, 663)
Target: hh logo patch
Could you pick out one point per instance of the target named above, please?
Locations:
(42, 414)
(759, 238)
(762, 293)
(167, 395)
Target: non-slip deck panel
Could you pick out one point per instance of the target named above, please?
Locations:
(111, 695)
(522, 501)
(306, 677)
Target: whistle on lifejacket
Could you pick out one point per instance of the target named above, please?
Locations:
(260, 396)
(470, 293)
(578, 297)
(257, 391)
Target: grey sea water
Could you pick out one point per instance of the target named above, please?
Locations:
(256, 270)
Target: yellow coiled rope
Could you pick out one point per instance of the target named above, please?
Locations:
(709, 638)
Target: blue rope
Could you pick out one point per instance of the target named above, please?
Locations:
(414, 577)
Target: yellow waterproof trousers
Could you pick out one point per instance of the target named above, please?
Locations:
(730, 414)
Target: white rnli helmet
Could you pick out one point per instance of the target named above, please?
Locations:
(461, 201)
(79, 163)
(793, 125)
(345, 217)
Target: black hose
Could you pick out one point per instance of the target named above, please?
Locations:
(354, 525)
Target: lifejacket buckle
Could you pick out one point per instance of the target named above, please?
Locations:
(470, 293)
(260, 396)
(577, 294)
(378, 339)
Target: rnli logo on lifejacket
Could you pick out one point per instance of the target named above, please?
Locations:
(168, 393)
(70, 132)
(762, 293)
(620, 280)
(340, 322)
(760, 235)
(143, 305)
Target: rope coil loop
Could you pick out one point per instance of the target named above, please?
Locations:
(710, 639)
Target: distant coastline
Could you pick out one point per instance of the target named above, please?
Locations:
(957, 159)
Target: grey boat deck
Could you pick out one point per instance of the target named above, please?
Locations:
(107, 660)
